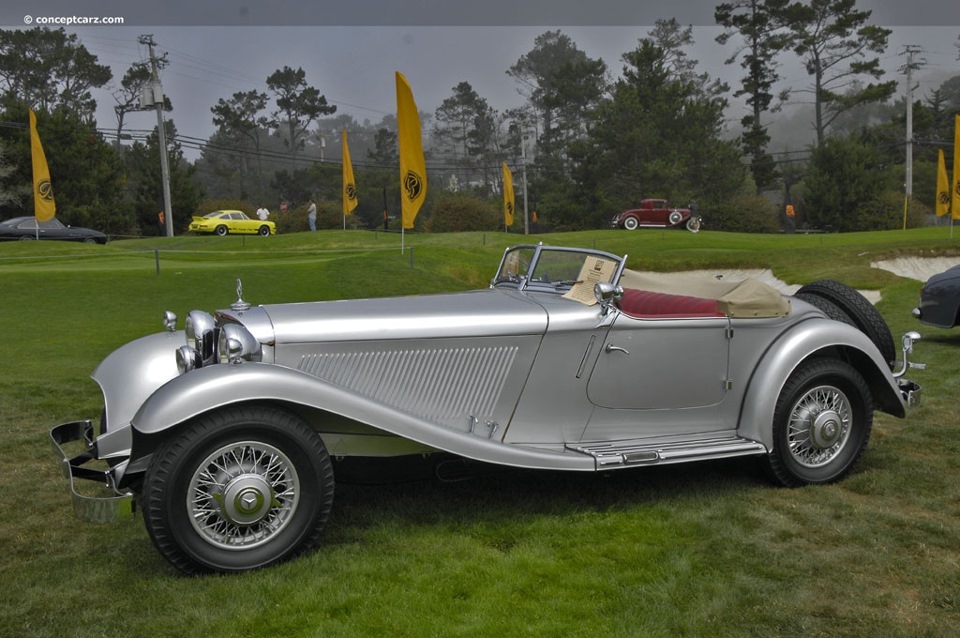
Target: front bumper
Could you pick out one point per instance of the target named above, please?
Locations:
(114, 505)
(910, 391)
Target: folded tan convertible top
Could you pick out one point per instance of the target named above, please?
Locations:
(744, 298)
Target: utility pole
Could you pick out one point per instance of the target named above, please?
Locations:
(523, 155)
(156, 98)
(909, 67)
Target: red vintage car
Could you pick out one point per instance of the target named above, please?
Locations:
(657, 213)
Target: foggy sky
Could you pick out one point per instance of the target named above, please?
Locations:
(351, 49)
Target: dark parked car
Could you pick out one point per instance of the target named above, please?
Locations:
(27, 228)
(940, 300)
(657, 213)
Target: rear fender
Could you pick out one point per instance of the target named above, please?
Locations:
(809, 339)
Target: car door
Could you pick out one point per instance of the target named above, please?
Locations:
(657, 376)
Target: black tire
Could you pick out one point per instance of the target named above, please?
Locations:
(826, 306)
(821, 424)
(238, 489)
(693, 224)
(264, 231)
(222, 230)
(863, 314)
(675, 217)
(631, 223)
(27, 238)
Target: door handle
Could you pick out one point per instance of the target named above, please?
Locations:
(612, 348)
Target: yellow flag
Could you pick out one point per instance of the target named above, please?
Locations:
(44, 208)
(955, 184)
(413, 169)
(942, 205)
(349, 186)
(508, 201)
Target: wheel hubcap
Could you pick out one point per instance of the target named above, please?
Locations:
(246, 499)
(826, 430)
(819, 426)
(242, 495)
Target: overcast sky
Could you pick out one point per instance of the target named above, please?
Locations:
(350, 49)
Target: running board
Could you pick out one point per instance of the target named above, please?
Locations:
(628, 453)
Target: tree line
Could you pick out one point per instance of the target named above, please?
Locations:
(593, 141)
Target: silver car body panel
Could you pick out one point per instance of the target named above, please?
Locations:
(482, 313)
(128, 376)
(516, 374)
(427, 390)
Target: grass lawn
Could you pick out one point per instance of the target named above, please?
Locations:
(708, 549)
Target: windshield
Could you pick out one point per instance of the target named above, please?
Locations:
(556, 268)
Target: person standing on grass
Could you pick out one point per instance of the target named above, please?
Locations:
(312, 215)
(263, 213)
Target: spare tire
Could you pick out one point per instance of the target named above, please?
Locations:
(828, 308)
(860, 311)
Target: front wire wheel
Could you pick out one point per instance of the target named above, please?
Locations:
(822, 423)
(243, 494)
(238, 489)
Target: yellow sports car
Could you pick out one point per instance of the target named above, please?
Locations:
(224, 222)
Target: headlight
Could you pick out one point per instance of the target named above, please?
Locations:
(187, 359)
(200, 328)
(236, 344)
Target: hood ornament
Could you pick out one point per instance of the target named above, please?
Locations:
(240, 304)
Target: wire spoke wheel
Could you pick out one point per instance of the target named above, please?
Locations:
(237, 489)
(819, 426)
(242, 495)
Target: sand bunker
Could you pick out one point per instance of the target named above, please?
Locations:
(919, 268)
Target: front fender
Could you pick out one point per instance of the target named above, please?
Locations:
(790, 350)
(127, 377)
(217, 386)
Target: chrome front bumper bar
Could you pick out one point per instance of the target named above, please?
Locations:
(114, 505)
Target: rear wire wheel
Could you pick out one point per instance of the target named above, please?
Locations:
(238, 489)
(821, 424)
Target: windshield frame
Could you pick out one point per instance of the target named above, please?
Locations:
(534, 267)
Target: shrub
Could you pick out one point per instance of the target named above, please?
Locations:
(457, 212)
(329, 217)
(743, 214)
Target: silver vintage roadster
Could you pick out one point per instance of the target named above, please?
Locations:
(227, 434)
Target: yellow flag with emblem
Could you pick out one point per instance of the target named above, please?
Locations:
(44, 208)
(942, 205)
(413, 170)
(955, 184)
(349, 185)
(508, 200)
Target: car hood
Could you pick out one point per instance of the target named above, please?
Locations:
(489, 312)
